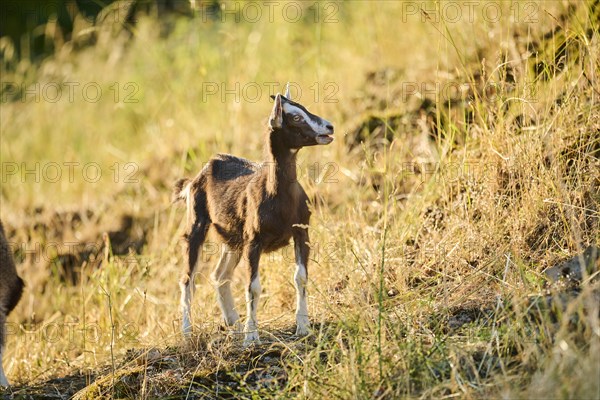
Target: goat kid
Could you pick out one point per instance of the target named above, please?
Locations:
(254, 208)
(11, 288)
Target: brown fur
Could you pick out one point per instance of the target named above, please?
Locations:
(246, 202)
(253, 207)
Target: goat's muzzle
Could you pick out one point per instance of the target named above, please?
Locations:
(325, 138)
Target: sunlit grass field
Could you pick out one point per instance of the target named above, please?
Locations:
(430, 232)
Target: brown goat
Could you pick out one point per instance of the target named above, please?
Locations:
(254, 208)
(11, 288)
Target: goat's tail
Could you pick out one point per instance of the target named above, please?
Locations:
(180, 191)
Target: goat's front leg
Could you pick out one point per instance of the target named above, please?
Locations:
(252, 254)
(300, 278)
(195, 240)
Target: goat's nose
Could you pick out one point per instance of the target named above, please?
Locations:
(330, 127)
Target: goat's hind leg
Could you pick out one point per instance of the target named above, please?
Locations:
(195, 239)
(300, 279)
(222, 281)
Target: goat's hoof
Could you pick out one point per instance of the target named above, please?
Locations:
(302, 326)
(187, 333)
(236, 330)
(302, 331)
(251, 339)
(232, 320)
(250, 343)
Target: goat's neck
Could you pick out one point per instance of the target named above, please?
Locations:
(281, 163)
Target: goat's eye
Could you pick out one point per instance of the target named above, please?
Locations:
(296, 118)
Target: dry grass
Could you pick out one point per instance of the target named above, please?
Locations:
(431, 226)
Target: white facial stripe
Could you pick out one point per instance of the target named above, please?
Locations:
(319, 129)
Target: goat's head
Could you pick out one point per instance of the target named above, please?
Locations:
(299, 127)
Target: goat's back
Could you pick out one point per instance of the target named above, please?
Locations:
(225, 167)
(223, 186)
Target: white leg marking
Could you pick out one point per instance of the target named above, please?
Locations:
(252, 297)
(187, 292)
(302, 323)
(3, 380)
(222, 281)
(300, 279)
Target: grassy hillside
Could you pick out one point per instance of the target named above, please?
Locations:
(466, 162)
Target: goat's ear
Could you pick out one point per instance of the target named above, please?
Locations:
(276, 119)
